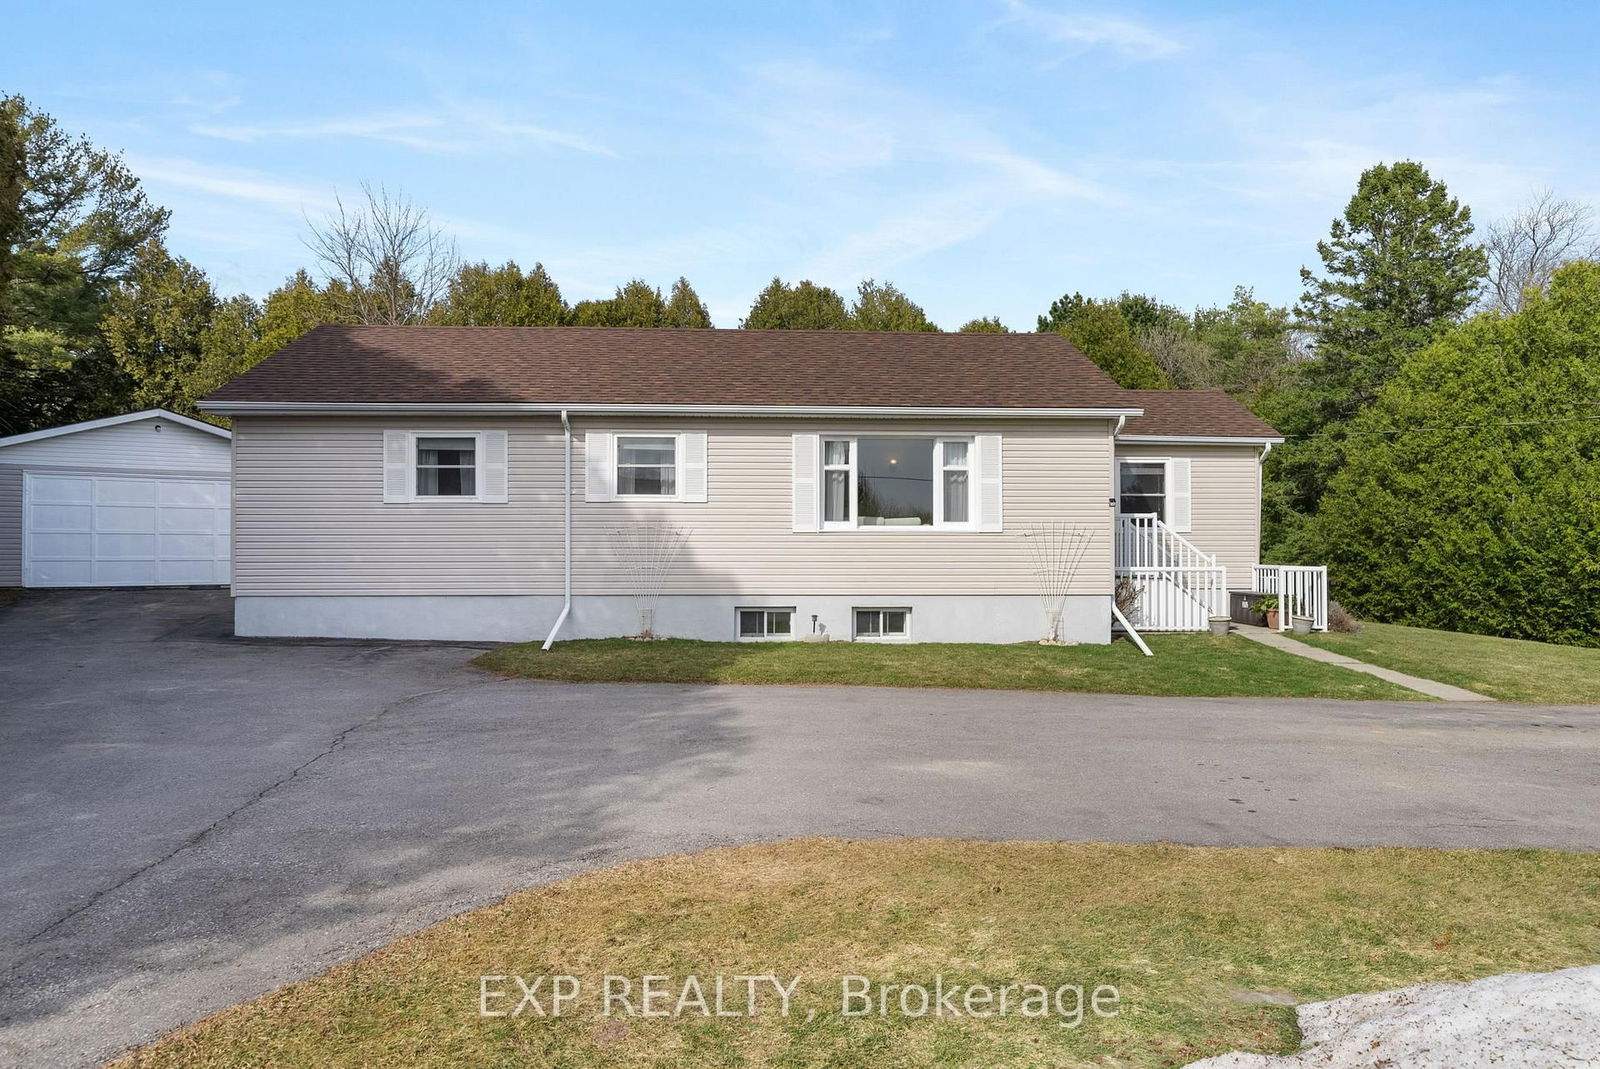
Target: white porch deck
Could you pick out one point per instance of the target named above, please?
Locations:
(1179, 587)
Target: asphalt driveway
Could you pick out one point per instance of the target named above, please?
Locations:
(188, 820)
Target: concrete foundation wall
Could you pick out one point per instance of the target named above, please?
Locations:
(523, 618)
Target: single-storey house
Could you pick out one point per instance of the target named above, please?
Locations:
(522, 482)
(135, 500)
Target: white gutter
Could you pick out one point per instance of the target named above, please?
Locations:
(245, 408)
(566, 556)
(1197, 439)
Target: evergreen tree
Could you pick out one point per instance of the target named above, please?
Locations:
(72, 218)
(881, 306)
(1399, 267)
(1101, 331)
(1467, 500)
(291, 310)
(1144, 313)
(229, 346)
(1103, 335)
(638, 304)
(804, 306)
(484, 296)
(1254, 345)
(685, 308)
(154, 326)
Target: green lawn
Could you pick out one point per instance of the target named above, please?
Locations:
(1183, 665)
(1505, 668)
(1193, 939)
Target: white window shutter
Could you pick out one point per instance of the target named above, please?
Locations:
(692, 450)
(1179, 498)
(990, 503)
(600, 466)
(493, 467)
(397, 473)
(807, 460)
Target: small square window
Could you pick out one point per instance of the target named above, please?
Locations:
(883, 623)
(766, 623)
(647, 466)
(447, 467)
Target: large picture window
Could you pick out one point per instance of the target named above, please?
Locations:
(1142, 488)
(897, 482)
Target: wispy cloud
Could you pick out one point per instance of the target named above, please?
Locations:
(410, 130)
(450, 131)
(1081, 32)
(905, 177)
(233, 183)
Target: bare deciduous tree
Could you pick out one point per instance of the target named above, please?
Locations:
(1190, 362)
(1526, 248)
(390, 260)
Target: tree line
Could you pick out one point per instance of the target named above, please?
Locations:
(1436, 386)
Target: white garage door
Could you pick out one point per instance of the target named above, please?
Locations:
(117, 530)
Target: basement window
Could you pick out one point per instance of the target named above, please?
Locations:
(883, 623)
(766, 623)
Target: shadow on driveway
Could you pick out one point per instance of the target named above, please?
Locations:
(188, 820)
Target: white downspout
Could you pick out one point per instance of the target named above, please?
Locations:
(566, 555)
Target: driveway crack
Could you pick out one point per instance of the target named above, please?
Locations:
(201, 835)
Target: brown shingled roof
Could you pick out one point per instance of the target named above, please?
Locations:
(599, 365)
(778, 368)
(1196, 413)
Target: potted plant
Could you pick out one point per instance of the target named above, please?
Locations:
(1269, 605)
(1219, 625)
(1301, 624)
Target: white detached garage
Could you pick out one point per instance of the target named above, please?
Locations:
(136, 500)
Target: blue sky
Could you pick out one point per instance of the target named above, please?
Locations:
(984, 156)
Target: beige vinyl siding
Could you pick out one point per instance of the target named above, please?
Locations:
(1225, 492)
(310, 517)
(10, 526)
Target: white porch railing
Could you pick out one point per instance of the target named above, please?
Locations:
(1145, 541)
(1177, 585)
(1176, 599)
(1302, 590)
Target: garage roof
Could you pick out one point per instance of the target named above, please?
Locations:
(112, 421)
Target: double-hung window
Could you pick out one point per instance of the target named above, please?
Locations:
(1142, 488)
(897, 482)
(647, 465)
(446, 466)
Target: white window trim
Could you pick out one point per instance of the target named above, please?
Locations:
(790, 609)
(617, 438)
(1166, 484)
(939, 524)
(413, 437)
(856, 637)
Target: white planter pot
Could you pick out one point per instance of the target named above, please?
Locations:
(1302, 625)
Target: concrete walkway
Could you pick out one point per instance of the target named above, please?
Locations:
(1279, 641)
